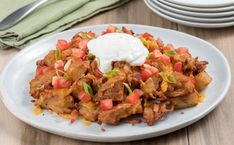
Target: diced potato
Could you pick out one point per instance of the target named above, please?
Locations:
(57, 100)
(88, 110)
(202, 80)
(148, 87)
(185, 101)
(77, 69)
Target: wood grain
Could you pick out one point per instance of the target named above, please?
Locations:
(215, 129)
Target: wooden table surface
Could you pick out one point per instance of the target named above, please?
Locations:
(217, 128)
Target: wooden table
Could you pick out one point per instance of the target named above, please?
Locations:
(217, 128)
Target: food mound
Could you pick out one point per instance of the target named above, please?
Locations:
(68, 81)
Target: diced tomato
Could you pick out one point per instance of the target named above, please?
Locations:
(147, 61)
(58, 64)
(125, 30)
(83, 43)
(182, 50)
(155, 54)
(59, 82)
(177, 67)
(43, 69)
(191, 79)
(153, 69)
(134, 97)
(78, 53)
(147, 36)
(169, 47)
(165, 59)
(111, 29)
(62, 44)
(84, 97)
(106, 104)
(145, 74)
(92, 34)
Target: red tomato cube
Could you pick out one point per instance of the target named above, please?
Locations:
(165, 59)
(84, 97)
(178, 67)
(169, 47)
(145, 74)
(147, 36)
(182, 50)
(59, 83)
(106, 104)
(155, 54)
(58, 64)
(111, 29)
(134, 97)
(78, 53)
(62, 44)
(43, 69)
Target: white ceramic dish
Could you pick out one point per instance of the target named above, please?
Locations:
(189, 23)
(167, 10)
(21, 69)
(196, 14)
(203, 3)
(197, 9)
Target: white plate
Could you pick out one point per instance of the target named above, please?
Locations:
(21, 69)
(189, 23)
(171, 12)
(203, 3)
(197, 9)
(197, 14)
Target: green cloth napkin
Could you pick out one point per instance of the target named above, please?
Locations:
(53, 16)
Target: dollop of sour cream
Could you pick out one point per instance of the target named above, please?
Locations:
(118, 47)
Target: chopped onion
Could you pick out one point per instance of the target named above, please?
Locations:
(67, 65)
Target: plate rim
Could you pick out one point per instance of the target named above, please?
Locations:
(209, 15)
(169, 11)
(187, 23)
(202, 6)
(197, 9)
(120, 138)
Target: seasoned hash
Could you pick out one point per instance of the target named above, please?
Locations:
(68, 81)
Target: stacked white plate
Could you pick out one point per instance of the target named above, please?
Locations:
(196, 13)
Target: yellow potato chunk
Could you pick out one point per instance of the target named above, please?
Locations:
(202, 80)
(185, 101)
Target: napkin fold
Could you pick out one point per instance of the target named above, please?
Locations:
(53, 16)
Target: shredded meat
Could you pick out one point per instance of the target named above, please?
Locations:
(49, 59)
(182, 87)
(148, 88)
(89, 110)
(57, 100)
(200, 66)
(40, 83)
(120, 111)
(112, 89)
(154, 112)
(77, 86)
(77, 69)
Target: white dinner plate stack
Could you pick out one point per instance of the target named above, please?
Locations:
(195, 13)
